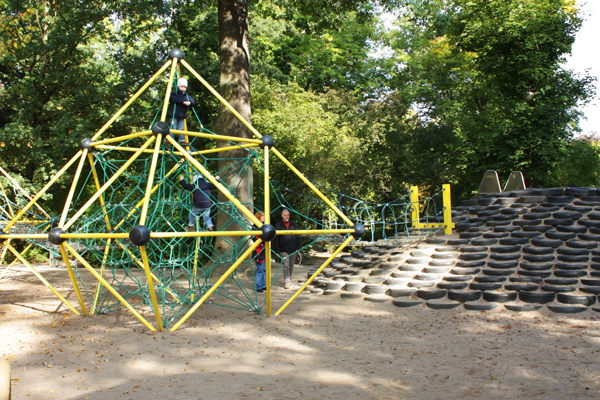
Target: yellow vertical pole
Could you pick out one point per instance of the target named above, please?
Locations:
(41, 278)
(267, 212)
(150, 179)
(447, 200)
(63, 217)
(107, 285)
(317, 272)
(65, 257)
(163, 116)
(414, 203)
(151, 286)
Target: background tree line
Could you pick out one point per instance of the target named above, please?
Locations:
(442, 92)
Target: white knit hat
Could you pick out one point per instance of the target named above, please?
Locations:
(182, 82)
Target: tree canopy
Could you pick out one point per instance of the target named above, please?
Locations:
(451, 89)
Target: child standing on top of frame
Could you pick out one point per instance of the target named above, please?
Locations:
(180, 100)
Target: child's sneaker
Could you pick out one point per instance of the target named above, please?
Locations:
(190, 229)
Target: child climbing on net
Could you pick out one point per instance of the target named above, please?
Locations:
(180, 101)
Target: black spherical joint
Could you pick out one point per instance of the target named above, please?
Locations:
(176, 53)
(161, 127)
(86, 144)
(54, 236)
(267, 141)
(359, 231)
(268, 232)
(139, 235)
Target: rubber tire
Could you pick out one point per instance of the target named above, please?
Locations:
(464, 296)
(538, 258)
(566, 309)
(490, 279)
(577, 244)
(522, 307)
(595, 290)
(558, 289)
(465, 271)
(571, 229)
(562, 273)
(474, 249)
(505, 249)
(530, 266)
(555, 235)
(502, 264)
(484, 242)
(505, 256)
(591, 282)
(398, 302)
(480, 306)
(515, 241)
(567, 215)
(538, 250)
(537, 297)
(446, 305)
(573, 259)
(485, 286)
(534, 274)
(452, 285)
(5, 380)
(547, 243)
(498, 272)
(561, 281)
(502, 297)
(585, 300)
(431, 294)
(525, 279)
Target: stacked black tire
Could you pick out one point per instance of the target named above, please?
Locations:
(521, 250)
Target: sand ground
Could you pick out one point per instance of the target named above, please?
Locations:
(320, 347)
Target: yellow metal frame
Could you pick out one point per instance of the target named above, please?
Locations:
(448, 225)
(114, 143)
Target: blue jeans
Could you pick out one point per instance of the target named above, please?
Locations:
(261, 275)
(179, 124)
(205, 212)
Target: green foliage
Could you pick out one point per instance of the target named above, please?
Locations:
(579, 165)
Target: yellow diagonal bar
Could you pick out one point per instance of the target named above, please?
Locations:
(41, 278)
(156, 235)
(108, 286)
(63, 217)
(150, 180)
(221, 188)
(151, 286)
(221, 99)
(107, 184)
(97, 183)
(125, 148)
(217, 284)
(317, 272)
(163, 115)
(313, 187)
(217, 137)
(315, 231)
(63, 253)
(121, 138)
(41, 192)
(12, 214)
(135, 96)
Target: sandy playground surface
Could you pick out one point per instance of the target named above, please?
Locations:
(321, 347)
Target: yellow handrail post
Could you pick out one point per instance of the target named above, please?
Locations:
(63, 217)
(151, 288)
(414, 203)
(163, 115)
(447, 200)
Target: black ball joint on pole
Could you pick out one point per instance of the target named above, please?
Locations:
(268, 232)
(267, 141)
(139, 235)
(359, 231)
(86, 144)
(176, 53)
(54, 236)
(161, 127)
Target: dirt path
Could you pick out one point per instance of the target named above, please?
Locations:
(321, 347)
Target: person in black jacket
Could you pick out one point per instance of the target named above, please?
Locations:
(286, 245)
(201, 191)
(180, 100)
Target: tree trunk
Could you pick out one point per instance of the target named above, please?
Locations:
(235, 88)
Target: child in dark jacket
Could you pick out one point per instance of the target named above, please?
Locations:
(180, 100)
(201, 191)
(261, 283)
